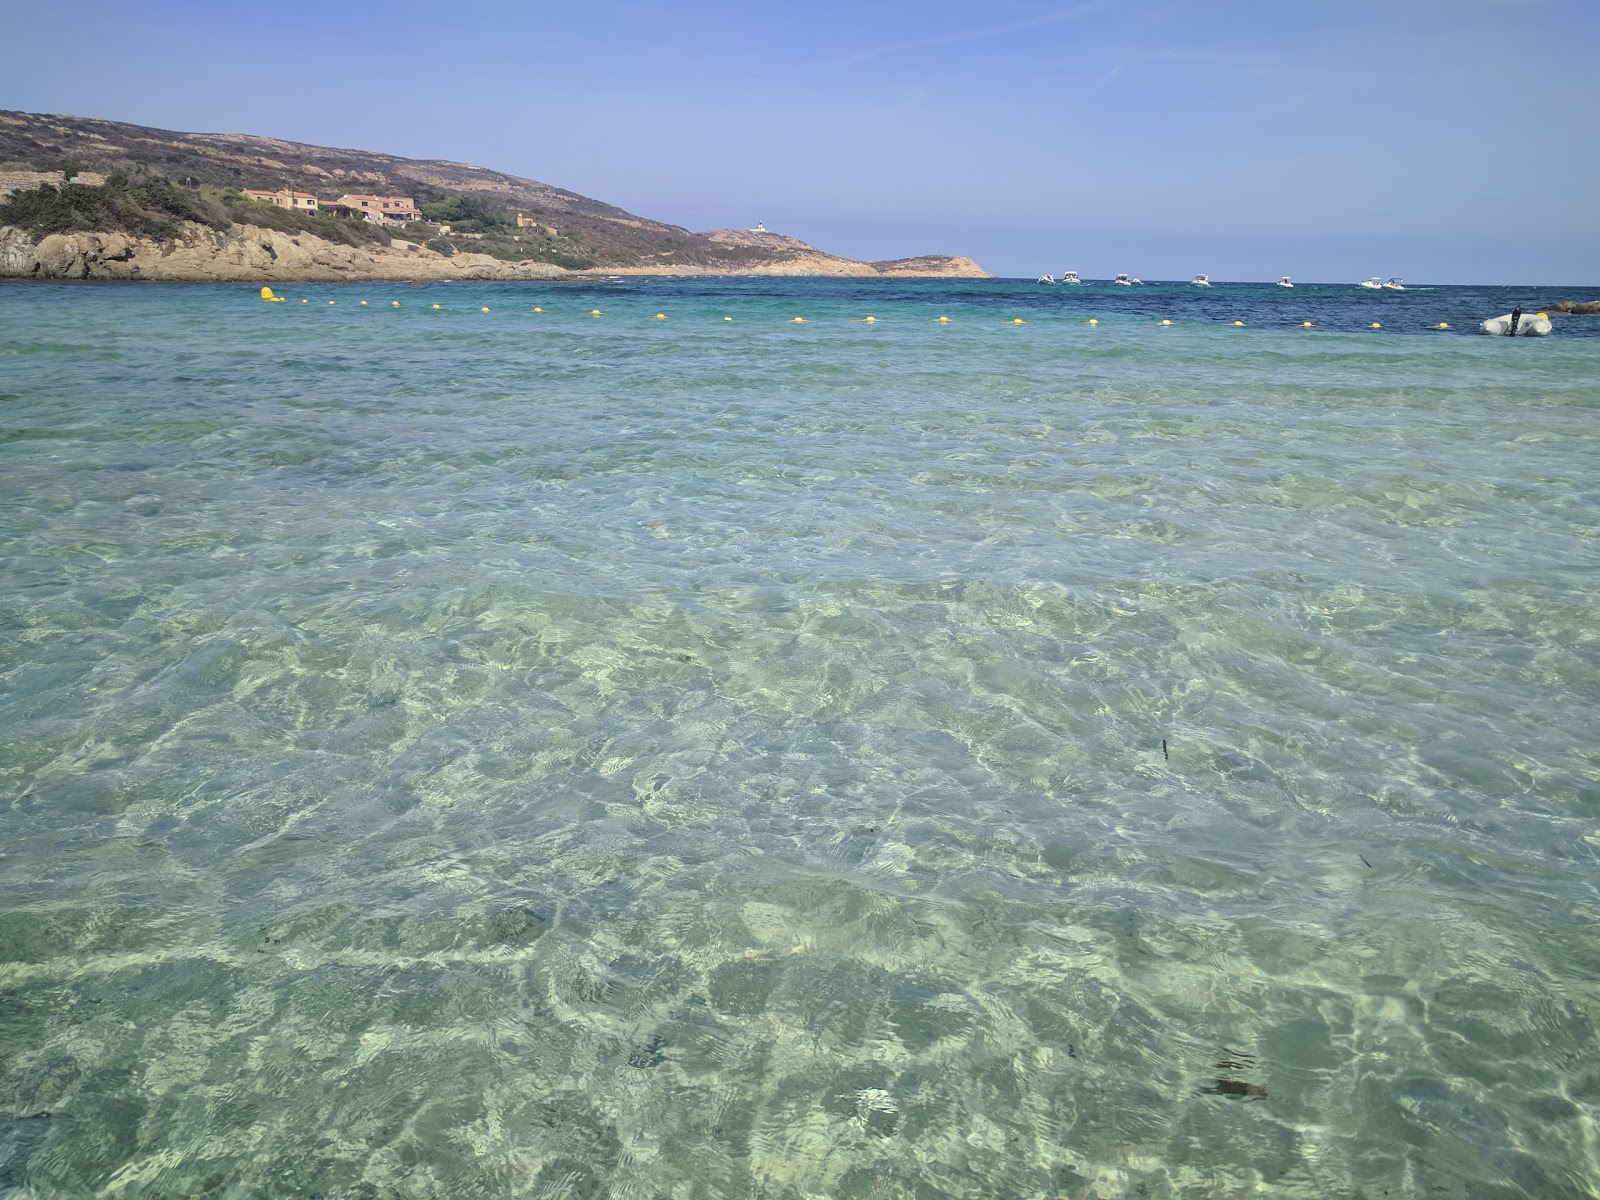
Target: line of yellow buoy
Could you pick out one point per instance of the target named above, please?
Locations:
(270, 297)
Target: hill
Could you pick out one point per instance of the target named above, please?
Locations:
(558, 228)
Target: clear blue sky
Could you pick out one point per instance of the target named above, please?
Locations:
(1442, 141)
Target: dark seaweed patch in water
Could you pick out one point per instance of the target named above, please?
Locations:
(648, 1055)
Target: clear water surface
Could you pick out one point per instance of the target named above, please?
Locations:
(531, 754)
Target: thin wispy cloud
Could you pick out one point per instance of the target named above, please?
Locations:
(970, 35)
(1145, 58)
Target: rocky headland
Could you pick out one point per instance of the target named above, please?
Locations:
(543, 232)
(248, 253)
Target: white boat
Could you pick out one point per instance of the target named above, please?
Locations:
(1371, 284)
(1284, 282)
(1045, 279)
(1071, 277)
(1200, 281)
(1123, 281)
(1394, 285)
(1518, 324)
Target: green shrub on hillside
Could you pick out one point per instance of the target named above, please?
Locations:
(470, 213)
(151, 208)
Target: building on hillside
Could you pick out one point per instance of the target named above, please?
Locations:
(376, 208)
(295, 201)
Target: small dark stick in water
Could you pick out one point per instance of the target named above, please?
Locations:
(1364, 861)
(1164, 753)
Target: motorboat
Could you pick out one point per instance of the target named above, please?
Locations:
(1122, 281)
(1071, 277)
(1200, 281)
(1394, 285)
(1372, 284)
(1045, 279)
(1284, 282)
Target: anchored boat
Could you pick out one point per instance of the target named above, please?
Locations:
(1514, 324)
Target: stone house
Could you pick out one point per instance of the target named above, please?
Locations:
(295, 201)
(377, 208)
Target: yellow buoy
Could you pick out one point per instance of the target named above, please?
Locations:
(944, 320)
(436, 306)
(1375, 325)
(595, 312)
(1444, 324)
(727, 318)
(799, 321)
(661, 316)
(870, 320)
(1238, 322)
(1166, 322)
(363, 304)
(536, 308)
(266, 293)
(330, 301)
(1018, 321)
(396, 303)
(1543, 316)
(1094, 320)
(1305, 325)
(485, 309)
(305, 302)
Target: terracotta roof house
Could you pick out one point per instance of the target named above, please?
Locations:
(377, 208)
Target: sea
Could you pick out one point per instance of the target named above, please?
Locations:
(684, 739)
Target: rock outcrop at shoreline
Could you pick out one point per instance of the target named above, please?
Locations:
(243, 253)
(247, 253)
(794, 257)
(1589, 308)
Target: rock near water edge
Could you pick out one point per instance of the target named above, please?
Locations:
(246, 253)
(239, 254)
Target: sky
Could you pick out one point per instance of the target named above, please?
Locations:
(1441, 141)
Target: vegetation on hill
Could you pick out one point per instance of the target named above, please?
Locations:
(149, 206)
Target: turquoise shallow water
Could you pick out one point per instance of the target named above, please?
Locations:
(453, 754)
